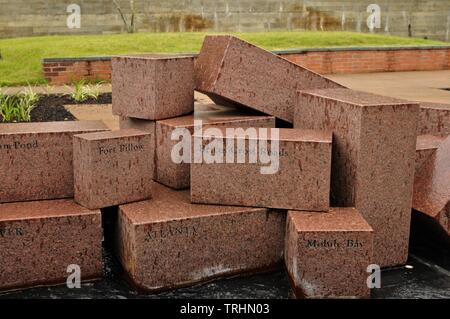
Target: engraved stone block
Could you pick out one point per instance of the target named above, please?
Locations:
(167, 242)
(36, 159)
(288, 171)
(112, 168)
(327, 254)
(177, 175)
(40, 240)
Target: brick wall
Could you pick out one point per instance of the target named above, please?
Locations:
(323, 61)
(364, 60)
(67, 70)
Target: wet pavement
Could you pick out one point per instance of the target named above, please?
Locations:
(423, 86)
(426, 275)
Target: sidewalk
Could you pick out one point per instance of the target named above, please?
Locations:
(49, 89)
(424, 86)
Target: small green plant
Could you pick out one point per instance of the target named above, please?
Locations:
(25, 104)
(94, 90)
(7, 108)
(83, 91)
(79, 94)
(17, 108)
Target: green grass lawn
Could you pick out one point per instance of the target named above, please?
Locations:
(21, 63)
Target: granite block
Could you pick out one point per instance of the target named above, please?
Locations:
(152, 87)
(327, 254)
(432, 186)
(300, 177)
(425, 146)
(137, 124)
(167, 242)
(177, 175)
(39, 240)
(146, 126)
(231, 69)
(434, 119)
(374, 140)
(37, 159)
(112, 168)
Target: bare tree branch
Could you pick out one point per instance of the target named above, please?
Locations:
(122, 15)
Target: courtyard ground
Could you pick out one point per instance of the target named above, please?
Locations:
(424, 86)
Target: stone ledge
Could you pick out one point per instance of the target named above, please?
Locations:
(97, 58)
(368, 48)
(333, 60)
(279, 52)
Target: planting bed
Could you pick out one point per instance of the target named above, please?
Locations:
(50, 107)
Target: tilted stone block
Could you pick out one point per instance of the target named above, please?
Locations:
(237, 71)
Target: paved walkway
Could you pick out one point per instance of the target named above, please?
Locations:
(424, 86)
(48, 89)
(95, 112)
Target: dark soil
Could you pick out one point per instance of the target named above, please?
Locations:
(51, 107)
(58, 99)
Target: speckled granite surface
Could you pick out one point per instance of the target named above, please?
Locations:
(168, 242)
(241, 72)
(374, 144)
(177, 175)
(432, 186)
(112, 168)
(434, 119)
(299, 176)
(427, 276)
(327, 254)
(152, 87)
(426, 145)
(39, 240)
(36, 159)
